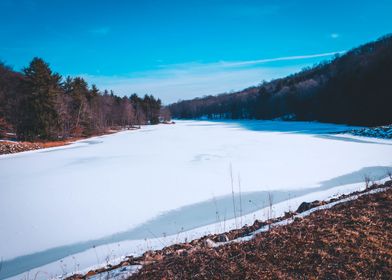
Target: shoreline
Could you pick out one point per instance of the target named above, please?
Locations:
(10, 147)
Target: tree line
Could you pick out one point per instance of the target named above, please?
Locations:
(354, 88)
(40, 104)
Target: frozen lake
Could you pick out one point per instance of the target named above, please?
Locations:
(165, 179)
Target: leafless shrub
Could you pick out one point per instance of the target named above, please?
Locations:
(178, 234)
(76, 264)
(232, 195)
(367, 181)
(96, 254)
(159, 239)
(63, 267)
(164, 235)
(270, 203)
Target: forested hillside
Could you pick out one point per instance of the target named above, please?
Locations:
(354, 88)
(39, 104)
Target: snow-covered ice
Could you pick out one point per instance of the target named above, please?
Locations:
(164, 181)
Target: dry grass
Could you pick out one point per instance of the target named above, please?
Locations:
(349, 241)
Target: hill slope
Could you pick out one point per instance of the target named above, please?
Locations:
(354, 88)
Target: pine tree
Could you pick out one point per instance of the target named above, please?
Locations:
(39, 118)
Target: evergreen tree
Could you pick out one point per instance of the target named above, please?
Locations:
(38, 115)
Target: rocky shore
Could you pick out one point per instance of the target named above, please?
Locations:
(12, 147)
(383, 132)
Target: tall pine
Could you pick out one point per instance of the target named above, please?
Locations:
(39, 118)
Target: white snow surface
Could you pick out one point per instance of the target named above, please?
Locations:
(106, 185)
(100, 256)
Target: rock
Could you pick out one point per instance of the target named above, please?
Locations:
(288, 214)
(309, 205)
(182, 253)
(222, 238)
(209, 243)
(256, 225)
(303, 207)
(378, 132)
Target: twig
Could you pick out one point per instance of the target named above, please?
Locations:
(239, 189)
(367, 180)
(232, 194)
(216, 212)
(96, 254)
(159, 239)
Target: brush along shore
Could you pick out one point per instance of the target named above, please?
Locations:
(12, 147)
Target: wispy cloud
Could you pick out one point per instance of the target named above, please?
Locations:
(285, 58)
(100, 31)
(334, 35)
(189, 80)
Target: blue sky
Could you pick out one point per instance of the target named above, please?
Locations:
(182, 49)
